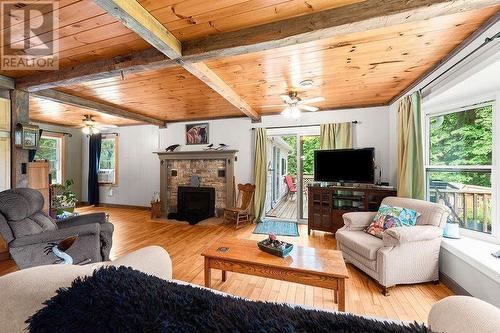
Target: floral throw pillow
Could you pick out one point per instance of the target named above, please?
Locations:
(389, 217)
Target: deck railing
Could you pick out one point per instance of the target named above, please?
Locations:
(473, 207)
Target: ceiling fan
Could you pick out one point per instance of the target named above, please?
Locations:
(90, 126)
(294, 104)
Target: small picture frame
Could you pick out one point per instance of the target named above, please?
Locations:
(197, 134)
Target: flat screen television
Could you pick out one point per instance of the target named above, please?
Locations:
(345, 165)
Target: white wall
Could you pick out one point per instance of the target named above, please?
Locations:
(73, 155)
(371, 131)
(139, 167)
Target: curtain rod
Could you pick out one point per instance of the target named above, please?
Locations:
(298, 126)
(486, 42)
(57, 132)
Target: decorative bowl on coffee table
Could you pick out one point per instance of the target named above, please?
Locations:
(263, 245)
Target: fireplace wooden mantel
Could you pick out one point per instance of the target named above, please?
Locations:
(229, 156)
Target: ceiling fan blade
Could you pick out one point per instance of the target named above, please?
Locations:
(272, 106)
(286, 98)
(312, 100)
(308, 108)
(103, 126)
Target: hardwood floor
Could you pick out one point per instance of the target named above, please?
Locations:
(134, 229)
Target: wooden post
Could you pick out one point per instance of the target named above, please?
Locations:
(19, 157)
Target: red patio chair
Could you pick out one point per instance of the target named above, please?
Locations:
(292, 189)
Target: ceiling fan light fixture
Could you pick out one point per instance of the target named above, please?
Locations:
(295, 112)
(287, 113)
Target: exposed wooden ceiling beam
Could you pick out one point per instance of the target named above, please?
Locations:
(6, 82)
(340, 21)
(205, 74)
(65, 98)
(139, 20)
(140, 61)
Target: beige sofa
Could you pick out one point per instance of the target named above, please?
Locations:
(404, 254)
(23, 292)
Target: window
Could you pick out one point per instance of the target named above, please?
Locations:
(460, 164)
(108, 162)
(51, 148)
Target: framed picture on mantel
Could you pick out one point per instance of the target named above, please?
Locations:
(197, 134)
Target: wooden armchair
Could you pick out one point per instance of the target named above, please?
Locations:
(241, 213)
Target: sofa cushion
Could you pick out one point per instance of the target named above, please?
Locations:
(360, 242)
(390, 217)
(25, 227)
(33, 197)
(45, 222)
(13, 206)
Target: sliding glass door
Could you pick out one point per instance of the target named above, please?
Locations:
(308, 144)
(290, 171)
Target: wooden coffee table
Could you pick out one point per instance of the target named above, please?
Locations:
(305, 265)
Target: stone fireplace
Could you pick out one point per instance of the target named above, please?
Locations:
(214, 168)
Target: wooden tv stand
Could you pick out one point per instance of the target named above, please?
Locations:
(326, 205)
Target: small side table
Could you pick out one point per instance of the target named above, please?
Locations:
(156, 209)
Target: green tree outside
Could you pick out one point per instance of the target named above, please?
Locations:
(463, 138)
(309, 145)
(107, 160)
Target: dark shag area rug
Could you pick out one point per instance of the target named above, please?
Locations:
(125, 300)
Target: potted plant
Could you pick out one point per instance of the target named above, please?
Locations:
(63, 199)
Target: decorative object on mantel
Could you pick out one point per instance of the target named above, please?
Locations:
(197, 134)
(172, 147)
(275, 247)
(210, 147)
(222, 146)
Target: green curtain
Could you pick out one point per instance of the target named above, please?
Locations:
(260, 172)
(327, 136)
(343, 135)
(336, 136)
(410, 148)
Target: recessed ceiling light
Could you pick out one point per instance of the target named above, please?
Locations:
(306, 83)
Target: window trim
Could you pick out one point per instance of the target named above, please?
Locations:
(494, 237)
(62, 148)
(117, 147)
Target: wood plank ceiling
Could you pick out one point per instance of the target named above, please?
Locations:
(360, 69)
(170, 94)
(62, 114)
(366, 68)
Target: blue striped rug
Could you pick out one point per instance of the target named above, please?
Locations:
(277, 227)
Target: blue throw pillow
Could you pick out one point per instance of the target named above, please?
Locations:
(390, 217)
